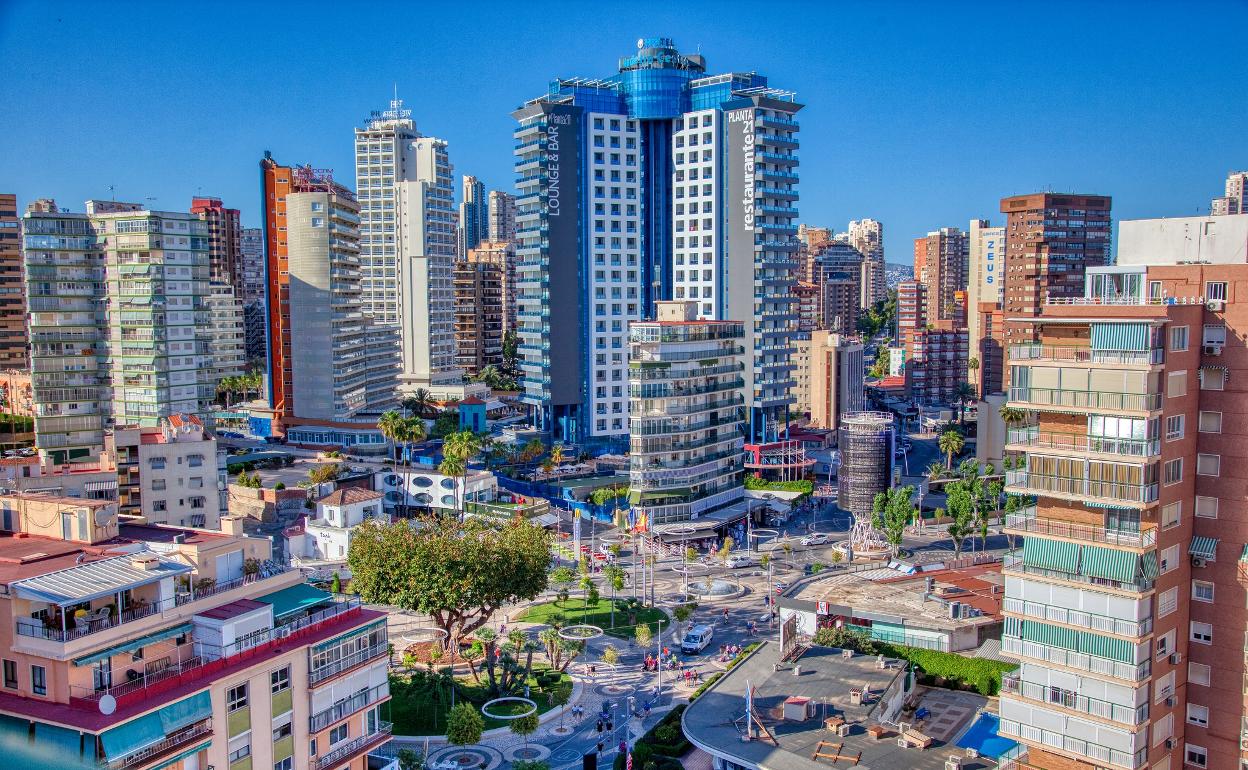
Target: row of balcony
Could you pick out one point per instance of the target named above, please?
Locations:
(353, 747)
(1081, 661)
(1089, 620)
(1032, 436)
(1100, 755)
(1026, 521)
(1028, 397)
(1070, 353)
(1012, 562)
(1012, 684)
(1081, 488)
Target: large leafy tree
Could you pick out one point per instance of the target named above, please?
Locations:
(893, 512)
(961, 508)
(464, 725)
(458, 573)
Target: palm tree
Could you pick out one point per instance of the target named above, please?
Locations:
(964, 394)
(457, 449)
(557, 454)
(951, 443)
(532, 450)
(1012, 415)
(390, 424)
(420, 403)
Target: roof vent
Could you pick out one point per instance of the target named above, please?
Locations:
(145, 562)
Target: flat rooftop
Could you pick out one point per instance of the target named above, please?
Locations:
(905, 597)
(715, 718)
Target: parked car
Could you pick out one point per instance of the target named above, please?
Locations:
(741, 560)
(819, 538)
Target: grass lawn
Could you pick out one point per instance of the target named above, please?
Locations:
(574, 611)
(415, 711)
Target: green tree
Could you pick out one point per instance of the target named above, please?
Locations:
(410, 759)
(449, 570)
(964, 395)
(420, 403)
(524, 726)
(323, 473)
(464, 725)
(511, 349)
(961, 509)
(643, 636)
(951, 443)
(563, 578)
(335, 585)
(681, 613)
(610, 655)
(446, 423)
(615, 577)
(1012, 415)
(893, 512)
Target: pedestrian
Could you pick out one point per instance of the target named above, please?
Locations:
(600, 725)
(623, 748)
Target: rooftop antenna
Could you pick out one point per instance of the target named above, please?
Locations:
(112, 192)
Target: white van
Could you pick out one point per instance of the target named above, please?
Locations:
(696, 639)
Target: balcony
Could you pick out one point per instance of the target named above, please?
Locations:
(1076, 747)
(348, 706)
(175, 743)
(1082, 400)
(1081, 355)
(1072, 701)
(1027, 522)
(1089, 620)
(353, 747)
(1081, 488)
(1012, 562)
(358, 658)
(1080, 661)
(1033, 437)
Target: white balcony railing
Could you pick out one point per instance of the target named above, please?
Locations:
(1128, 672)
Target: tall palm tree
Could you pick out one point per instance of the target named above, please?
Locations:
(951, 443)
(457, 449)
(964, 394)
(457, 469)
(1012, 415)
(390, 425)
(420, 403)
(557, 454)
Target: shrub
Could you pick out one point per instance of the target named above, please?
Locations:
(979, 674)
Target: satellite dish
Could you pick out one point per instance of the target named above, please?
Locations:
(641, 42)
(108, 704)
(103, 517)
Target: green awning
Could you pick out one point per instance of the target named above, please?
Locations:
(294, 600)
(52, 747)
(1149, 565)
(1106, 647)
(1079, 641)
(185, 712)
(1243, 555)
(134, 644)
(1109, 563)
(1051, 554)
(1054, 636)
(1204, 547)
(153, 727)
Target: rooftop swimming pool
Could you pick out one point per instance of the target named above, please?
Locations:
(982, 736)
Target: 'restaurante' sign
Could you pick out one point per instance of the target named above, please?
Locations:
(741, 156)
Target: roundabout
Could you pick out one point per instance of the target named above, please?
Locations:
(580, 632)
(521, 713)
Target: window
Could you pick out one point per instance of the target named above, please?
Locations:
(240, 753)
(1167, 602)
(39, 680)
(157, 463)
(1212, 378)
(236, 698)
(1215, 290)
(1171, 513)
(1174, 427)
(1208, 465)
(158, 485)
(1178, 338)
(1176, 384)
(285, 764)
(10, 674)
(1169, 558)
(1215, 335)
(160, 505)
(282, 731)
(338, 734)
(318, 221)
(1163, 687)
(1210, 422)
(1195, 755)
(1198, 715)
(1202, 591)
(1206, 507)
(1163, 728)
(1201, 633)
(1172, 471)
(279, 680)
(1198, 673)
(312, 747)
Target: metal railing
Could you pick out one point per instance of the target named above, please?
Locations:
(1038, 352)
(178, 740)
(1082, 487)
(1013, 562)
(356, 658)
(1129, 672)
(1099, 754)
(347, 706)
(353, 746)
(1032, 436)
(1026, 520)
(1073, 701)
(1087, 399)
(1090, 620)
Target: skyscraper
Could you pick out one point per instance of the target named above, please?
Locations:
(120, 314)
(1050, 239)
(836, 271)
(940, 263)
(253, 295)
(1235, 199)
(13, 336)
(501, 254)
(478, 315)
(867, 236)
(327, 361)
(408, 245)
(687, 193)
(987, 247)
(225, 236)
(474, 215)
(502, 213)
(224, 337)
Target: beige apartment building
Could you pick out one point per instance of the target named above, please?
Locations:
(144, 647)
(170, 474)
(833, 377)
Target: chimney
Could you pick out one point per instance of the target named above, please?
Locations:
(232, 525)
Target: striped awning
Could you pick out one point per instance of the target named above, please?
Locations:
(1051, 554)
(1120, 336)
(1079, 641)
(1109, 563)
(1204, 547)
(1243, 555)
(1148, 563)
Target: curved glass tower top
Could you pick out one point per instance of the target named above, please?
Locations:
(655, 80)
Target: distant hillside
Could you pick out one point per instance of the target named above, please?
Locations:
(895, 273)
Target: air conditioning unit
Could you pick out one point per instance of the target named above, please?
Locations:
(1212, 350)
(1216, 305)
(1171, 743)
(1198, 561)
(1176, 658)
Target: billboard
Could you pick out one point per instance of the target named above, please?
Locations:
(561, 197)
(739, 225)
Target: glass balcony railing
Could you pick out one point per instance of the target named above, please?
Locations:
(1086, 399)
(1082, 487)
(1078, 442)
(1037, 352)
(1027, 521)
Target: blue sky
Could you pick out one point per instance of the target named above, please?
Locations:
(921, 115)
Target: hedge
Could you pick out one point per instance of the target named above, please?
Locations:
(979, 674)
(665, 751)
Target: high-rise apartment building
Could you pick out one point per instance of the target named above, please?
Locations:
(502, 216)
(252, 295)
(656, 182)
(224, 338)
(328, 361)
(1128, 447)
(867, 236)
(408, 245)
(13, 335)
(1235, 199)
(940, 263)
(145, 646)
(686, 387)
(936, 351)
(501, 254)
(836, 271)
(474, 215)
(478, 315)
(119, 304)
(834, 376)
(1050, 239)
(225, 241)
(987, 248)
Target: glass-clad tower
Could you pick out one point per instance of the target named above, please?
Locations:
(657, 183)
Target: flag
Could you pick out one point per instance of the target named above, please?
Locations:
(628, 765)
